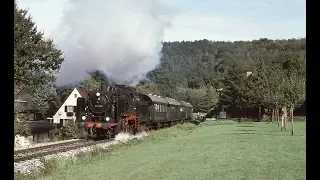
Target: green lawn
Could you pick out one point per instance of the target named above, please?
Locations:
(231, 151)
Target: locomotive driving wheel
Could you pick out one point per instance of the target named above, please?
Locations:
(128, 126)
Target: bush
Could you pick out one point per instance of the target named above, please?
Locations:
(70, 131)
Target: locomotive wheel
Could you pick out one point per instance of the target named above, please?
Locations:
(113, 133)
(131, 128)
(122, 126)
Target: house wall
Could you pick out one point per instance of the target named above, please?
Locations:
(42, 137)
(21, 141)
(34, 138)
(62, 114)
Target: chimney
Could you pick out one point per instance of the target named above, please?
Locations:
(103, 86)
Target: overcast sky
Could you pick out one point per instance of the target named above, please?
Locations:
(204, 19)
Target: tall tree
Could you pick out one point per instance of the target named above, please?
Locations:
(295, 80)
(35, 58)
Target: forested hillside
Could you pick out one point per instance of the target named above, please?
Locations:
(192, 71)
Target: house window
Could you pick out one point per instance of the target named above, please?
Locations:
(75, 95)
(69, 108)
(31, 117)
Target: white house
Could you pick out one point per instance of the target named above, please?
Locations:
(67, 112)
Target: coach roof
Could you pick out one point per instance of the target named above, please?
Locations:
(156, 99)
(185, 104)
(173, 101)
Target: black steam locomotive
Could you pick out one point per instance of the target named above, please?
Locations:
(119, 108)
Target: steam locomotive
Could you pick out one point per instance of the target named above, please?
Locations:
(113, 109)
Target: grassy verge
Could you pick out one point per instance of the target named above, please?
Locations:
(233, 151)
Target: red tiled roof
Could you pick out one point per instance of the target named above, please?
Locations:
(83, 92)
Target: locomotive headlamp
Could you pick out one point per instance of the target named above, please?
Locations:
(107, 118)
(97, 94)
(83, 117)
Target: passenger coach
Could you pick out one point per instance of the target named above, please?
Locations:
(158, 110)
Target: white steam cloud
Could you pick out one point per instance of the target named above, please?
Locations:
(121, 38)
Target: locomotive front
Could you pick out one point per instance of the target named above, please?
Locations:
(99, 106)
(96, 113)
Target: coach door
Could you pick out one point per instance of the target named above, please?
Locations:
(145, 114)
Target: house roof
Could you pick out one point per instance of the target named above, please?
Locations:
(83, 92)
(38, 126)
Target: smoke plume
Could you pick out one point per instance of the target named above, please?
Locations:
(121, 38)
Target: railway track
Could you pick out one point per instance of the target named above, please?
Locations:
(31, 153)
(16, 152)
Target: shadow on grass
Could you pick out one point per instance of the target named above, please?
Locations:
(240, 133)
(245, 126)
(264, 133)
(246, 130)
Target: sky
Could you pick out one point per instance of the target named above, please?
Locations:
(189, 20)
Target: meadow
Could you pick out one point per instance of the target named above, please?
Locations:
(211, 150)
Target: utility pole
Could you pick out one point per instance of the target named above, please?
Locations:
(222, 110)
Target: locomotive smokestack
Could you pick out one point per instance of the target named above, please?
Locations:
(103, 86)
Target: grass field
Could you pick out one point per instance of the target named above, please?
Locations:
(209, 151)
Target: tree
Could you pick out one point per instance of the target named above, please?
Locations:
(274, 97)
(295, 94)
(148, 88)
(35, 58)
(89, 82)
(45, 97)
(20, 122)
(293, 80)
(197, 98)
